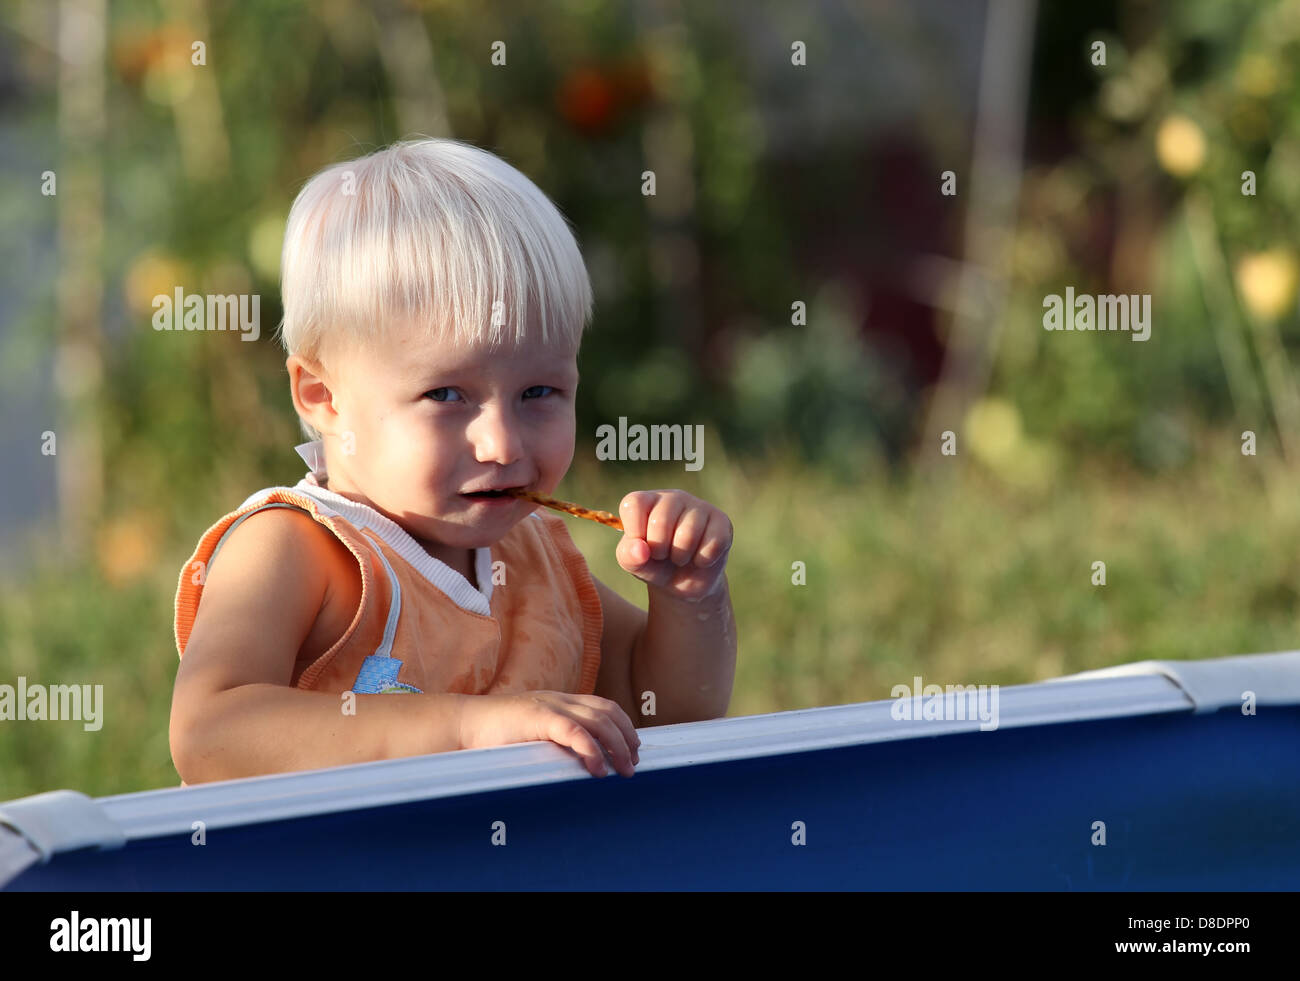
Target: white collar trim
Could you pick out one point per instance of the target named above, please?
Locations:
(437, 572)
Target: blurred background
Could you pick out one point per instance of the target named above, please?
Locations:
(800, 284)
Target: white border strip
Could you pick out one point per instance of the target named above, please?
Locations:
(277, 797)
(1271, 679)
(66, 820)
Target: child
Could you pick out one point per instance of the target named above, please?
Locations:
(434, 300)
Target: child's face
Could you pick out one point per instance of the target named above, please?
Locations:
(429, 422)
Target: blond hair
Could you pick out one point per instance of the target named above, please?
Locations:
(432, 231)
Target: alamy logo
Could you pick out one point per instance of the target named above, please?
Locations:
(241, 311)
(1106, 312)
(935, 703)
(55, 703)
(655, 443)
(104, 933)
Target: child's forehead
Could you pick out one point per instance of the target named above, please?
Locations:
(420, 350)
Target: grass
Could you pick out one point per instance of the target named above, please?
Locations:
(958, 579)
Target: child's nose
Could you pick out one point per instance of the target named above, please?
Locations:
(496, 437)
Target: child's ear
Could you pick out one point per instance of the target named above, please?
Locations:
(311, 393)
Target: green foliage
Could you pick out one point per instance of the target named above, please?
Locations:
(1203, 94)
(819, 388)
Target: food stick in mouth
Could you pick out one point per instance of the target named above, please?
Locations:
(603, 517)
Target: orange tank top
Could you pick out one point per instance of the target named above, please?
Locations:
(421, 626)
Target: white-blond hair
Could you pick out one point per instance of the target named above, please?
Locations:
(435, 232)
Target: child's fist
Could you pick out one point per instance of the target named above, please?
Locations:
(675, 542)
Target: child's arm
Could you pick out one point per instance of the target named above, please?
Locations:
(624, 623)
(687, 657)
(234, 712)
(686, 652)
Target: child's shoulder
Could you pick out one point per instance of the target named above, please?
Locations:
(285, 546)
(276, 519)
(278, 559)
(279, 526)
(292, 532)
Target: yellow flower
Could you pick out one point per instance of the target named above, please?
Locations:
(1180, 146)
(993, 431)
(1267, 282)
(996, 438)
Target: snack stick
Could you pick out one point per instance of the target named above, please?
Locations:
(603, 517)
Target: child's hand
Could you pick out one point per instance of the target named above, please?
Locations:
(674, 542)
(583, 723)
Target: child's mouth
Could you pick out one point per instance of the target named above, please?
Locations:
(490, 497)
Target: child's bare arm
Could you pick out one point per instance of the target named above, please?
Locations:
(624, 623)
(678, 544)
(234, 712)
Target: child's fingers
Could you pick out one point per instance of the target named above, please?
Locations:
(615, 712)
(689, 533)
(579, 722)
(716, 540)
(626, 728)
(634, 511)
(662, 524)
(573, 734)
(632, 552)
(605, 720)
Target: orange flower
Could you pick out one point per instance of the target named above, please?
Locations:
(126, 548)
(592, 99)
(586, 99)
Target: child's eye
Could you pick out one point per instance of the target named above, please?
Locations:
(440, 394)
